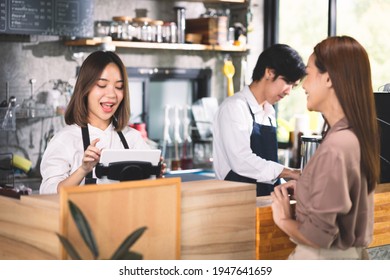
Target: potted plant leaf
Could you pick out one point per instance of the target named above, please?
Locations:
(122, 253)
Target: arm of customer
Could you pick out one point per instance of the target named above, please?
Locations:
(283, 216)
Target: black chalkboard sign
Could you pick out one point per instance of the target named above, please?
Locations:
(47, 17)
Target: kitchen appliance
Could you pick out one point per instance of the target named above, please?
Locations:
(309, 144)
(153, 89)
(181, 24)
(382, 101)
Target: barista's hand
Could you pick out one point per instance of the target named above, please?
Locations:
(91, 157)
(290, 173)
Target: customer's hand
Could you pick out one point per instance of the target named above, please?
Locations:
(281, 209)
(290, 186)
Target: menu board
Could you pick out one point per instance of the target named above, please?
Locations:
(47, 17)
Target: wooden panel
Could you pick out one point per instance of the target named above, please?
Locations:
(381, 216)
(212, 29)
(14, 249)
(218, 220)
(156, 46)
(116, 210)
(218, 1)
(271, 242)
(28, 223)
(218, 216)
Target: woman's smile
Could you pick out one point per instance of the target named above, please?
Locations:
(107, 106)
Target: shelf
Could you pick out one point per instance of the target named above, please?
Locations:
(157, 46)
(218, 1)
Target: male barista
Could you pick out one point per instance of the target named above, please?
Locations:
(244, 128)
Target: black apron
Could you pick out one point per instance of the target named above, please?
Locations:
(87, 142)
(265, 145)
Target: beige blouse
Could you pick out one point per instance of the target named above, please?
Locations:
(333, 207)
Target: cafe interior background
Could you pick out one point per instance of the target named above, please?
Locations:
(170, 81)
(40, 70)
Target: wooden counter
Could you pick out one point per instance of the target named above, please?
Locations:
(209, 219)
(274, 244)
(217, 220)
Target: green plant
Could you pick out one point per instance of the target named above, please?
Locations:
(122, 253)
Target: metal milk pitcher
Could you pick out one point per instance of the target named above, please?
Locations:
(309, 145)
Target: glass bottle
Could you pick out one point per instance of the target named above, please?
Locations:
(177, 140)
(187, 152)
(167, 149)
(30, 104)
(9, 121)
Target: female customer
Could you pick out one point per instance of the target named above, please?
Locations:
(334, 209)
(98, 110)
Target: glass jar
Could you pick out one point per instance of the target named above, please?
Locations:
(102, 28)
(143, 29)
(157, 30)
(123, 26)
(168, 31)
(115, 30)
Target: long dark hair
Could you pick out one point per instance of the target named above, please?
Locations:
(90, 72)
(348, 66)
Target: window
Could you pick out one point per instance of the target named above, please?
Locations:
(302, 24)
(366, 21)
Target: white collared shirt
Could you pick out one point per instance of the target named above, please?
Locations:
(232, 128)
(65, 151)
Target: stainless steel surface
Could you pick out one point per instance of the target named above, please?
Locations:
(181, 24)
(32, 183)
(308, 147)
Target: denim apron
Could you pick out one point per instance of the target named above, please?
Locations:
(86, 142)
(264, 144)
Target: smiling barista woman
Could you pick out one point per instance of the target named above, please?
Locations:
(99, 110)
(244, 128)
